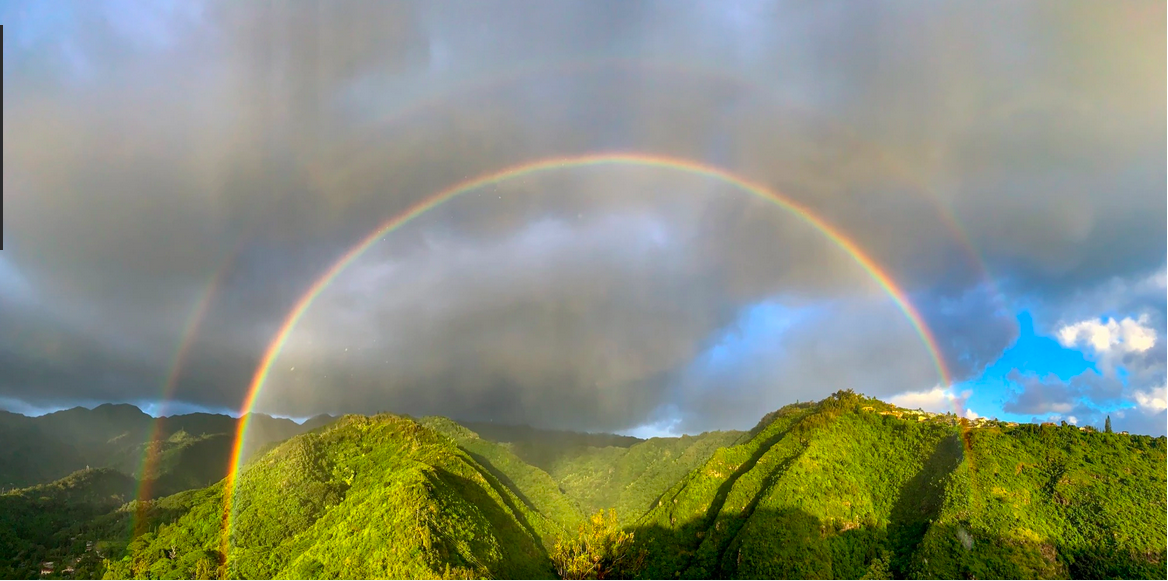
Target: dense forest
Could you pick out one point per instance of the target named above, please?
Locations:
(849, 487)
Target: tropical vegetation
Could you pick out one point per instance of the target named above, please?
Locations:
(848, 487)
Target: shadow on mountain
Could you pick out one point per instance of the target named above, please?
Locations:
(524, 554)
(502, 478)
(765, 542)
(725, 487)
(734, 528)
(920, 501)
(696, 548)
(772, 544)
(790, 543)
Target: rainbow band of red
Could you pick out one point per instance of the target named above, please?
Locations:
(544, 165)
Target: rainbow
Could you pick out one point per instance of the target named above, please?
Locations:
(546, 165)
(334, 172)
(191, 327)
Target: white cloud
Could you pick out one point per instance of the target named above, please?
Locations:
(1061, 408)
(938, 399)
(17, 406)
(1157, 281)
(1153, 400)
(663, 429)
(1072, 420)
(971, 414)
(1125, 336)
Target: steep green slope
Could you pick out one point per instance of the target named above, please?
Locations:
(632, 479)
(838, 489)
(602, 471)
(532, 486)
(848, 487)
(363, 497)
(1051, 501)
(185, 462)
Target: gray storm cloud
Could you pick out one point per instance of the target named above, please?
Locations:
(150, 151)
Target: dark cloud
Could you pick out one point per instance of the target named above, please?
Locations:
(1042, 395)
(153, 152)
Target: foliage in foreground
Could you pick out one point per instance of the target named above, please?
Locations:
(600, 550)
(841, 490)
(363, 498)
(848, 487)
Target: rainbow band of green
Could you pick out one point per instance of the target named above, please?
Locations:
(544, 165)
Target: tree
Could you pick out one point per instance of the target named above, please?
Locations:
(1107, 425)
(880, 567)
(601, 549)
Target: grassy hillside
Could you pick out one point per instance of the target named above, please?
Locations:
(1044, 501)
(363, 497)
(632, 479)
(838, 489)
(601, 471)
(531, 485)
(848, 487)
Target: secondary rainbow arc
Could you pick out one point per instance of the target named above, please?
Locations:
(870, 266)
(352, 157)
(191, 328)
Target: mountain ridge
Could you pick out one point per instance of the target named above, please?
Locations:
(53, 445)
(846, 487)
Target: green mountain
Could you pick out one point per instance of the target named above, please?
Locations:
(544, 448)
(360, 498)
(600, 471)
(318, 421)
(632, 479)
(194, 449)
(851, 487)
(530, 484)
(848, 487)
(32, 454)
(80, 464)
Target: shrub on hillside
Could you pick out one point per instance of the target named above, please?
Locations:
(600, 550)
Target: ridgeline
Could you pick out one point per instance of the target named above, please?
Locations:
(849, 487)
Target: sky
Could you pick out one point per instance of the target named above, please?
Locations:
(178, 175)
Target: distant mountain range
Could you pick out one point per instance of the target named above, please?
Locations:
(193, 449)
(849, 487)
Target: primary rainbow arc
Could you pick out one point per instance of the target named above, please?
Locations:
(545, 165)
